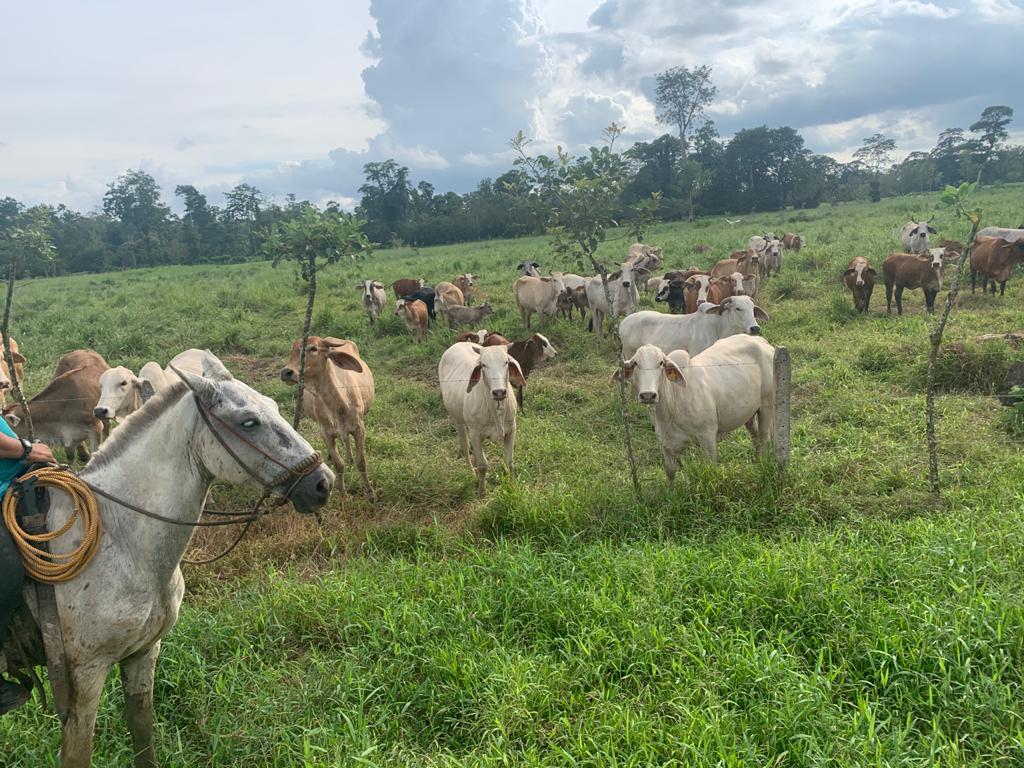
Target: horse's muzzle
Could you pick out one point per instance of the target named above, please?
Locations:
(313, 490)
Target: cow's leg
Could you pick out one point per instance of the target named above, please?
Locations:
(929, 299)
(899, 299)
(76, 741)
(755, 434)
(348, 447)
(670, 464)
(480, 467)
(360, 440)
(888, 298)
(766, 426)
(509, 444)
(332, 451)
(463, 442)
(1002, 288)
(709, 444)
(974, 278)
(867, 299)
(137, 679)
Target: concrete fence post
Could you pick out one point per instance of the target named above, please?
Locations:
(782, 405)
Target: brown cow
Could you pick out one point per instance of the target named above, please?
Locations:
(447, 295)
(912, 270)
(528, 353)
(405, 286)
(483, 337)
(793, 242)
(5, 374)
(62, 414)
(738, 261)
(994, 258)
(415, 315)
(465, 283)
(860, 279)
(338, 392)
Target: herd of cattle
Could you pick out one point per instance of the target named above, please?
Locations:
(703, 367)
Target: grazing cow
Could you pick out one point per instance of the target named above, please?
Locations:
(5, 374)
(427, 296)
(700, 399)
(912, 270)
(738, 261)
(465, 283)
(406, 286)
(374, 298)
(694, 333)
(447, 295)
(1012, 235)
(62, 413)
(337, 393)
(860, 279)
(994, 258)
(529, 268)
(624, 297)
(528, 353)
(122, 392)
(474, 387)
(952, 246)
(646, 257)
(914, 236)
(467, 315)
(793, 242)
(538, 294)
(414, 313)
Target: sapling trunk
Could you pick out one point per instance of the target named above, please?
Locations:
(623, 401)
(310, 271)
(19, 396)
(936, 343)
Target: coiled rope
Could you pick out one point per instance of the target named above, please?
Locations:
(50, 567)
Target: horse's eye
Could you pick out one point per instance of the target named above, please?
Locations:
(124, 384)
(250, 423)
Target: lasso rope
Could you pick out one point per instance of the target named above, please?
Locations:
(49, 567)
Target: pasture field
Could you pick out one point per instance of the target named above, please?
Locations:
(831, 615)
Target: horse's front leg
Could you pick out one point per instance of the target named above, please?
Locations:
(86, 687)
(137, 679)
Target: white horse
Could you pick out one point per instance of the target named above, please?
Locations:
(163, 458)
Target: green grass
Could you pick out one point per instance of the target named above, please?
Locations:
(831, 615)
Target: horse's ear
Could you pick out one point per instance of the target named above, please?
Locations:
(213, 368)
(201, 387)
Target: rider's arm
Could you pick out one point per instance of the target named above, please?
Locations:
(11, 448)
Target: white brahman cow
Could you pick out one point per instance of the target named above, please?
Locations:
(695, 332)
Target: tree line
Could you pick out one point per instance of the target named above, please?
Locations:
(690, 172)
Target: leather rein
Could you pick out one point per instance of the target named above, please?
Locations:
(246, 519)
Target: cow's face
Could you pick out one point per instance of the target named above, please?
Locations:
(626, 276)
(650, 369)
(548, 349)
(120, 393)
(495, 369)
(740, 315)
(696, 288)
(936, 255)
(319, 353)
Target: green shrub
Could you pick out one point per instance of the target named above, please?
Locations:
(960, 367)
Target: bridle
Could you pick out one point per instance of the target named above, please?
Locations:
(294, 474)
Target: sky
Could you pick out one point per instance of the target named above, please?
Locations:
(296, 97)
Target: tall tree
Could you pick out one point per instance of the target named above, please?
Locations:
(134, 200)
(992, 127)
(947, 153)
(681, 97)
(875, 152)
(244, 204)
(198, 222)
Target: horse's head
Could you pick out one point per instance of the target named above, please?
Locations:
(266, 448)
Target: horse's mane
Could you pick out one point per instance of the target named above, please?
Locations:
(122, 437)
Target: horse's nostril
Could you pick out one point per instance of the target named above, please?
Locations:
(323, 489)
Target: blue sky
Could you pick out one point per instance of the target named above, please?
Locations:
(297, 97)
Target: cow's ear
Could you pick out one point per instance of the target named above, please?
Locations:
(871, 271)
(17, 358)
(673, 374)
(931, 230)
(515, 373)
(146, 390)
(378, 284)
(760, 314)
(345, 361)
(359, 286)
(474, 377)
